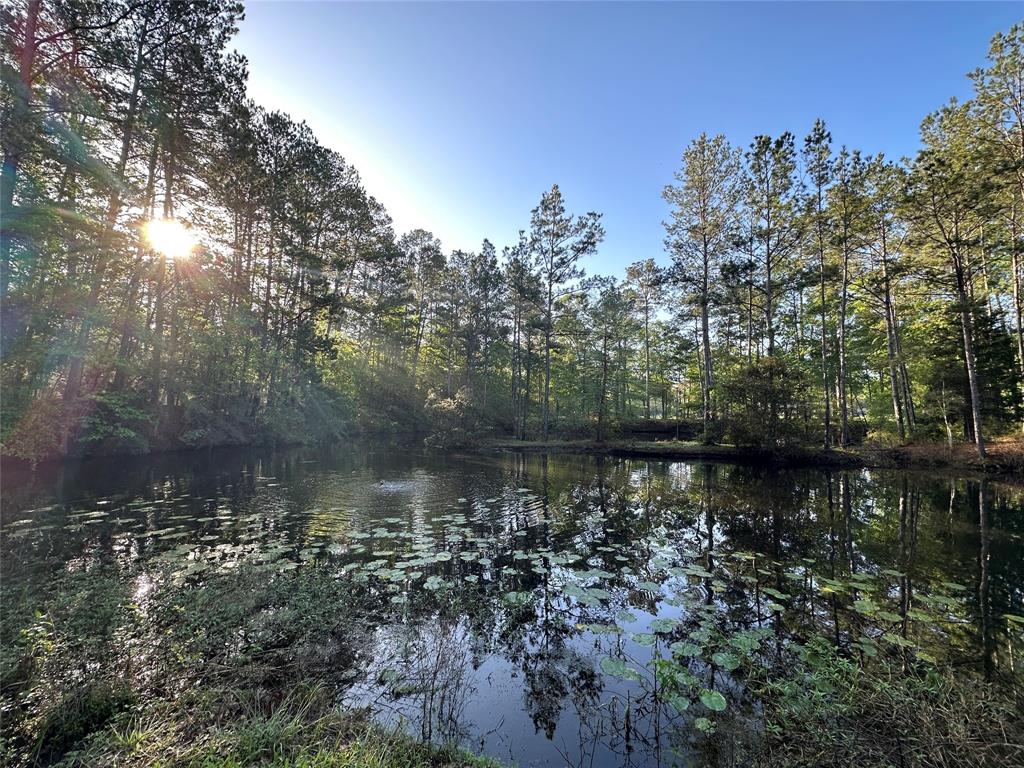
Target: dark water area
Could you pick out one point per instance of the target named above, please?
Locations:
(516, 604)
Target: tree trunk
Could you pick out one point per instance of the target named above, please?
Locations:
(844, 415)
(890, 335)
(967, 323)
(604, 389)
(526, 390)
(647, 359)
(548, 327)
(825, 384)
(707, 380)
(73, 384)
(1015, 268)
(17, 140)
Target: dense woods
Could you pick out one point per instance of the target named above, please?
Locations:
(810, 293)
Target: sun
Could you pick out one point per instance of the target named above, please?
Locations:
(170, 237)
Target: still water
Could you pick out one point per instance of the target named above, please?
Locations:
(513, 604)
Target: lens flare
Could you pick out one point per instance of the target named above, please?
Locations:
(170, 237)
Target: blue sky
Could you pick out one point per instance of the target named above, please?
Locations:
(458, 115)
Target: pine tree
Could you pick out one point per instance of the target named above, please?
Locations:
(558, 241)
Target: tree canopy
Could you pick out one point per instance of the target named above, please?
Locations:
(807, 294)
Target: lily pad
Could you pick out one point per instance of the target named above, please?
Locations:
(713, 700)
(616, 667)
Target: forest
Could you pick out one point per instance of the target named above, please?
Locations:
(183, 268)
(756, 500)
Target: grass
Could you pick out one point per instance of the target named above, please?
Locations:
(213, 674)
(831, 710)
(231, 729)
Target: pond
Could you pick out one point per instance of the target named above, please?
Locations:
(543, 610)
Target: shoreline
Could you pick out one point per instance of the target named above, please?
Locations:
(1005, 460)
(18, 463)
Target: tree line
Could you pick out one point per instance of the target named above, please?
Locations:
(811, 293)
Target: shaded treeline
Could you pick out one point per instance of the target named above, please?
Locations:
(815, 294)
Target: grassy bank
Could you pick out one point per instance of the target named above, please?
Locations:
(230, 728)
(1004, 458)
(242, 668)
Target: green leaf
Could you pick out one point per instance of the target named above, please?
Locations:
(725, 660)
(691, 650)
(745, 641)
(434, 583)
(713, 700)
(616, 667)
(696, 570)
(865, 606)
(899, 640)
(518, 598)
(664, 625)
(679, 703)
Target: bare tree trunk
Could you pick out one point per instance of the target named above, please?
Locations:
(967, 324)
(890, 334)
(707, 380)
(750, 322)
(73, 383)
(1015, 268)
(548, 327)
(120, 376)
(604, 388)
(826, 394)
(526, 392)
(844, 414)
(647, 359)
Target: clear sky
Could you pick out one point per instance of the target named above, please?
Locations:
(458, 115)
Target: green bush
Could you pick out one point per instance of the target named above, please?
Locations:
(116, 422)
(453, 420)
(831, 710)
(763, 395)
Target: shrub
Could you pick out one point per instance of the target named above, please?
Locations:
(116, 422)
(453, 420)
(764, 393)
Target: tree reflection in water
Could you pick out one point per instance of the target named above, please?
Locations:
(542, 609)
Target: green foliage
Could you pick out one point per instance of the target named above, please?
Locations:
(453, 420)
(762, 396)
(925, 714)
(813, 297)
(116, 422)
(79, 713)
